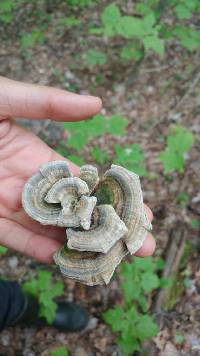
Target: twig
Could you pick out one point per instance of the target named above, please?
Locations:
(154, 69)
(174, 254)
(187, 94)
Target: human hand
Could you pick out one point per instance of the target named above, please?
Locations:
(21, 154)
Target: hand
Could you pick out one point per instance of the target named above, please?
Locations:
(21, 154)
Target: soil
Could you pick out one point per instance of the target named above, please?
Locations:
(164, 92)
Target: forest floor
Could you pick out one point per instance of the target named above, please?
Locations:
(164, 92)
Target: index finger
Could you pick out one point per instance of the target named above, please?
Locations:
(33, 101)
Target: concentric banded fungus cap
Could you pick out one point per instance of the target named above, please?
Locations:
(101, 229)
(121, 188)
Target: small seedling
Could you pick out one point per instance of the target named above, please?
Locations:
(45, 291)
(3, 250)
(81, 132)
(60, 351)
(98, 155)
(130, 157)
(182, 199)
(130, 320)
(179, 143)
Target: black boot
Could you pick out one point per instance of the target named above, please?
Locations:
(70, 317)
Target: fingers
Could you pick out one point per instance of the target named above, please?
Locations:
(149, 245)
(39, 102)
(147, 248)
(16, 237)
(148, 212)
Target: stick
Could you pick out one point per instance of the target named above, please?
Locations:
(175, 250)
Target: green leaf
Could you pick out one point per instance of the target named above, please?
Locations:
(144, 264)
(116, 125)
(182, 12)
(30, 40)
(159, 264)
(7, 5)
(146, 328)
(172, 161)
(143, 8)
(6, 17)
(130, 290)
(110, 18)
(45, 290)
(181, 139)
(31, 287)
(56, 289)
(195, 224)
(70, 21)
(94, 57)
(178, 143)
(154, 43)
(114, 317)
(179, 338)
(166, 283)
(96, 31)
(143, 303)
(60, 351)
(182, 199)
(128, 342)
(3, 250)
(99, 155)
(44, 279)
(149, 20)
(149, 281)
(130, 157)
(80, 3)
(81, 132)
(62, 151)
(190, 38)
(77, 160)
(130, 26)
(131, 52)
(47, 308)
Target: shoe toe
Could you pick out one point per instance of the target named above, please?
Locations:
(70, 317)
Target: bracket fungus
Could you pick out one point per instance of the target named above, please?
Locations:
(104, 219)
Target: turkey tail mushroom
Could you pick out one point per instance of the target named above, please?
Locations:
(36, 189)
(90, 268)
(109, 229)
(104, 220)
(121, 188)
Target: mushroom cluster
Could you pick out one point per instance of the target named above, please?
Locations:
(104, 219)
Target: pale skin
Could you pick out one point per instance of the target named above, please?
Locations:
(21, 154)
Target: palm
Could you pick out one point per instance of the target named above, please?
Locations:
(21, 155)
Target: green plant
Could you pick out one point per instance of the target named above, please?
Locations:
(70, 21)
(3, 250)
(143, 31)
(98, 155)
(76, 159)
(81, 132)
(80, 3)
(60, 351)
(182, 199)
(29, 40)
(149, 30)
(195, 224)
(130, 157)
(45, 291)
(179, 143)
(6, 10)
(130, 320)
(93, 57)
(179, 338)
